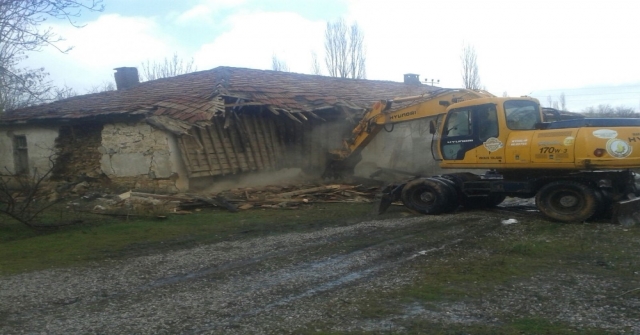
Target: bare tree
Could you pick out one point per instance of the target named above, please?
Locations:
(106, 86)
(563, 101)
(345, 55)
(470, 75)
(549, 101)
(278, 65)
(64, 92)
(23, 196)
(23, 87)
(20, 33)
(169, 67)
(609, 111)
(315, 65)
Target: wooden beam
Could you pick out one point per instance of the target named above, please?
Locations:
(219, 130)
(291, 116)
(215, 150)
(316, 116)
(273, 110)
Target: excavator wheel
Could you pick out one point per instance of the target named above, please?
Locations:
(603, 211)
(450, 189)
(427, 196)
(567, 201)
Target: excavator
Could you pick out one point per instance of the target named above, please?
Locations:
(576, 169)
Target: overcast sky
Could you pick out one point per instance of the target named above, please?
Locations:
(540, 48)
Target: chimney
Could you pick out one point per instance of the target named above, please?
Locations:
(412, 79)
(126, 77)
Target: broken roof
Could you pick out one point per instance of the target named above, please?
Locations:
(198, 96)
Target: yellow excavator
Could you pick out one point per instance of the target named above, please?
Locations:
(576, 169)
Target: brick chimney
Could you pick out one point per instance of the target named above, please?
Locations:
(126, 77)
(412, 79)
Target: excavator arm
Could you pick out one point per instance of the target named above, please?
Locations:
(388, 112)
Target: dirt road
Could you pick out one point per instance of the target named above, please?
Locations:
(295, 282)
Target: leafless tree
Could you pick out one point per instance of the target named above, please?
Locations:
(345, 55)
(549, 101)
(505, 94)
(278, 65)
(169, 67)
(563, 102)
(470, 75)
(23, 196)
(104, 87)
(315, 65)
(610, 111)
(64, 92)
(23, 87)
(20, 33)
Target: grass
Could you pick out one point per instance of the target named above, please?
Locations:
(100, 237)
(478, 267)
(469, 271)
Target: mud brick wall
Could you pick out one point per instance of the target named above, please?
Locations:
(136, 156)
(77, 147)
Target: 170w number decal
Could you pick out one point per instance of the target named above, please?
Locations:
(552, 150)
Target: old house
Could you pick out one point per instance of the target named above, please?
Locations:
(177, 133)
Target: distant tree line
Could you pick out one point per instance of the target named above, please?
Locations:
(609, 111)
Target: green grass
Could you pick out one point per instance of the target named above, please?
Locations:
(100, 237)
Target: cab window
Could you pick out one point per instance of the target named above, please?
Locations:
(458, 123)
(521, 114)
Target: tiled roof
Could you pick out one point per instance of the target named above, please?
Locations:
(193, 97)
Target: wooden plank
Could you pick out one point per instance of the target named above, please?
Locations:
(268, 143)
(224, 148)
(185, 155)
(316, 116)
(291, 116)
(244, 131)
(308, 190)
(277, 154)
(259, 123)
(273, 110)
(206, 149)
(213, 145)
(253, 137)
(238, 148)
(264, 154)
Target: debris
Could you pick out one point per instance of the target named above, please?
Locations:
(272, 196)
(309, 190)
(245, 206)
(509, 221)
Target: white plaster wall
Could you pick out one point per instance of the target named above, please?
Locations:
(40, 146)
(130, 150)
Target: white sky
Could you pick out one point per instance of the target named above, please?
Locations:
(587, 49)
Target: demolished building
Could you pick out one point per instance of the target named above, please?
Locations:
(172, 134)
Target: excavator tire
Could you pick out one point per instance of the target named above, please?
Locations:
(426, 196)
(567, 201)
(452, 194)
(603, 211)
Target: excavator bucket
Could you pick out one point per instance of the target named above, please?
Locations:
(626, 212)
(383, 204)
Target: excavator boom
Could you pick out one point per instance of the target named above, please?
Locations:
(389, 112)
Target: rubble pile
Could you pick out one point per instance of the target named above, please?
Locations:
(276, 197)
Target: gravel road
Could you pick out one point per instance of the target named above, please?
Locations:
(273, 284)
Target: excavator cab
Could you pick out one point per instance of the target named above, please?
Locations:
(475, 132)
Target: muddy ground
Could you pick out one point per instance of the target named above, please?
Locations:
(328, 280)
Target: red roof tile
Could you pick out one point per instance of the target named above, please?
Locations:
(189, 97)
